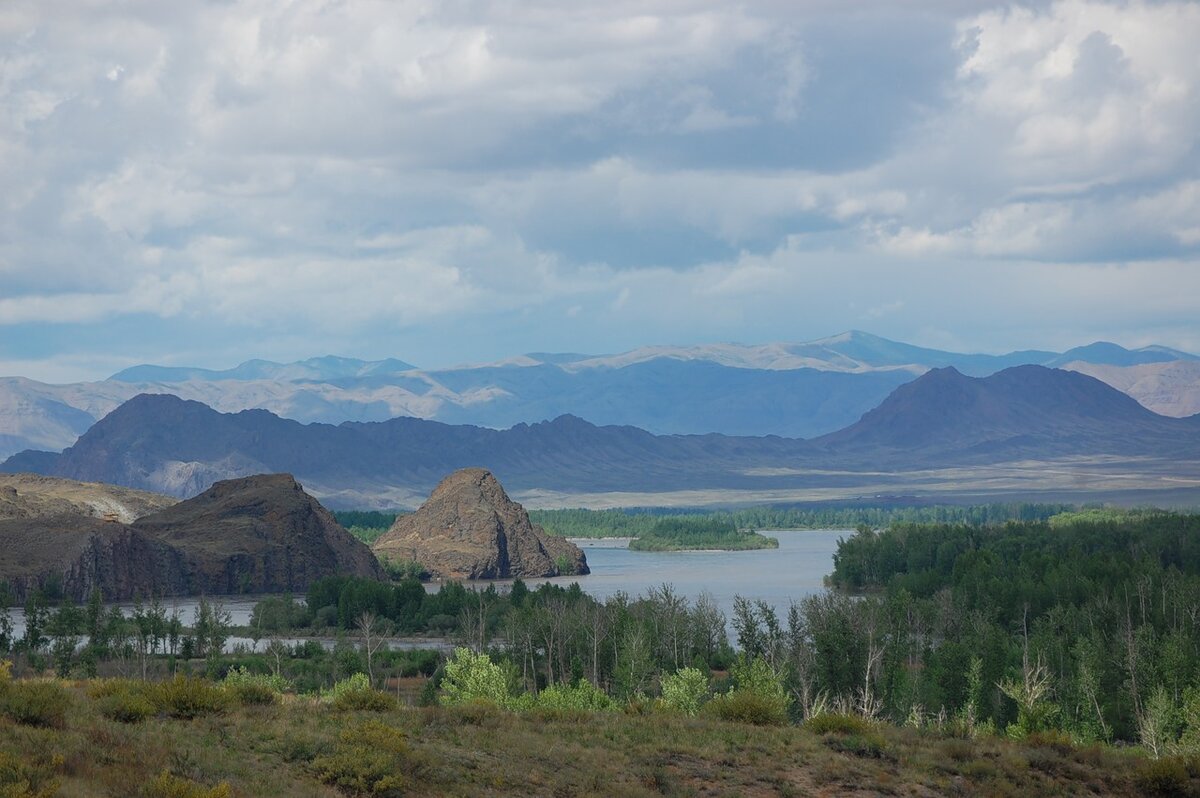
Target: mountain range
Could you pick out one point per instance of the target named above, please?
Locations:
(1019, 418)
(799, 390)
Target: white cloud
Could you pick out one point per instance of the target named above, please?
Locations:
(313, 169)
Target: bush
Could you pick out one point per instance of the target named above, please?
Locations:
(126, 706)
(189, 697)
(371, 758)
(21, 778)
(1166, 776)
(743, 706)
(36, 703)
(254, 688)
(684, 691)
(583, 696)
(169, 786)
(870, 745)
(473, 677)
(758, 695)
(356, 693)
(836, 723)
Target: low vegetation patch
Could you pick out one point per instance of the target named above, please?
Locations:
(35, 703)
(189, 697)
(681, 534)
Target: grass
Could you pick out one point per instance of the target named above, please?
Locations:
(304, 746)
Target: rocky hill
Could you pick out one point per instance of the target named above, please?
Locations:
(470, 529)
(33, 496)
(259, 534)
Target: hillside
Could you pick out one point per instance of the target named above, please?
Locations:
(800, 390)
(1022, 412)
(31, 496)
(253, 535)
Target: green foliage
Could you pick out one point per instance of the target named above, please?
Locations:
(189, 697)
(472, 678)
(742, 706)
(838, 723)
(22, 778)
(254, 688)
(35, 703)
(168, 785)
(1169, 776)
(126, 706)
(371, 758)
(684, 691)
(365, 519)
(583, 696)
(356, 693)
(635, 523)
(676, 534)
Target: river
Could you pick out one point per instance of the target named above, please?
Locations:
(777, 576)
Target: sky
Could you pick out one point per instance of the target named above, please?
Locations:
(457, 182)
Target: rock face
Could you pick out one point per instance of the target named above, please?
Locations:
(259, 534)
(470, 529)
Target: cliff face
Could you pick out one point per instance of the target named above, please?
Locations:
(259, 534)
(470, 529)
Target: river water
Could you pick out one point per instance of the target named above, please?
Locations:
(777, 576)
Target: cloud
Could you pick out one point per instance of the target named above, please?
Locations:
(312, 172)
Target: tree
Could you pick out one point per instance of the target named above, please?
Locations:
(472, 677)
(372, 633)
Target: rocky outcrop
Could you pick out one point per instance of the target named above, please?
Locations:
(260, 534)
(32, 496)
(470, 529)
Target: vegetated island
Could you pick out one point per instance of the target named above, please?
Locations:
(691, 534)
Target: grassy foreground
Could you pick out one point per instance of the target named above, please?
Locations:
(303, 746)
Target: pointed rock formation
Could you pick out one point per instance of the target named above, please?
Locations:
(470, 529)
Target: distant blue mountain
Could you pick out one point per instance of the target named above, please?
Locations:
(319, 369)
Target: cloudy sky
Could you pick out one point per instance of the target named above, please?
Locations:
(460, 181)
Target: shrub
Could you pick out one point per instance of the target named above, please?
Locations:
(758, 695)
(169, 786)
(870, 745)
(254, 688)
(36, 703)
(371, 758)
(472, 677)
(126, 707)
(742, 706)
(21, 778)
(1166, 776)
(684, 691)
(356, 693)
(582, 696)
(837, 723)
(189, 697)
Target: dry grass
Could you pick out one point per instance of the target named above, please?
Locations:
(290, 748)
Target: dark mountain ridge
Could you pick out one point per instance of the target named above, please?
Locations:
(941, 419)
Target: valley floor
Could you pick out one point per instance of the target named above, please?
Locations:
(287, 749)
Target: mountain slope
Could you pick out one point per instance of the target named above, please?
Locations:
(790, 389)
(945, 416)
(940, 420)
(260, 534)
